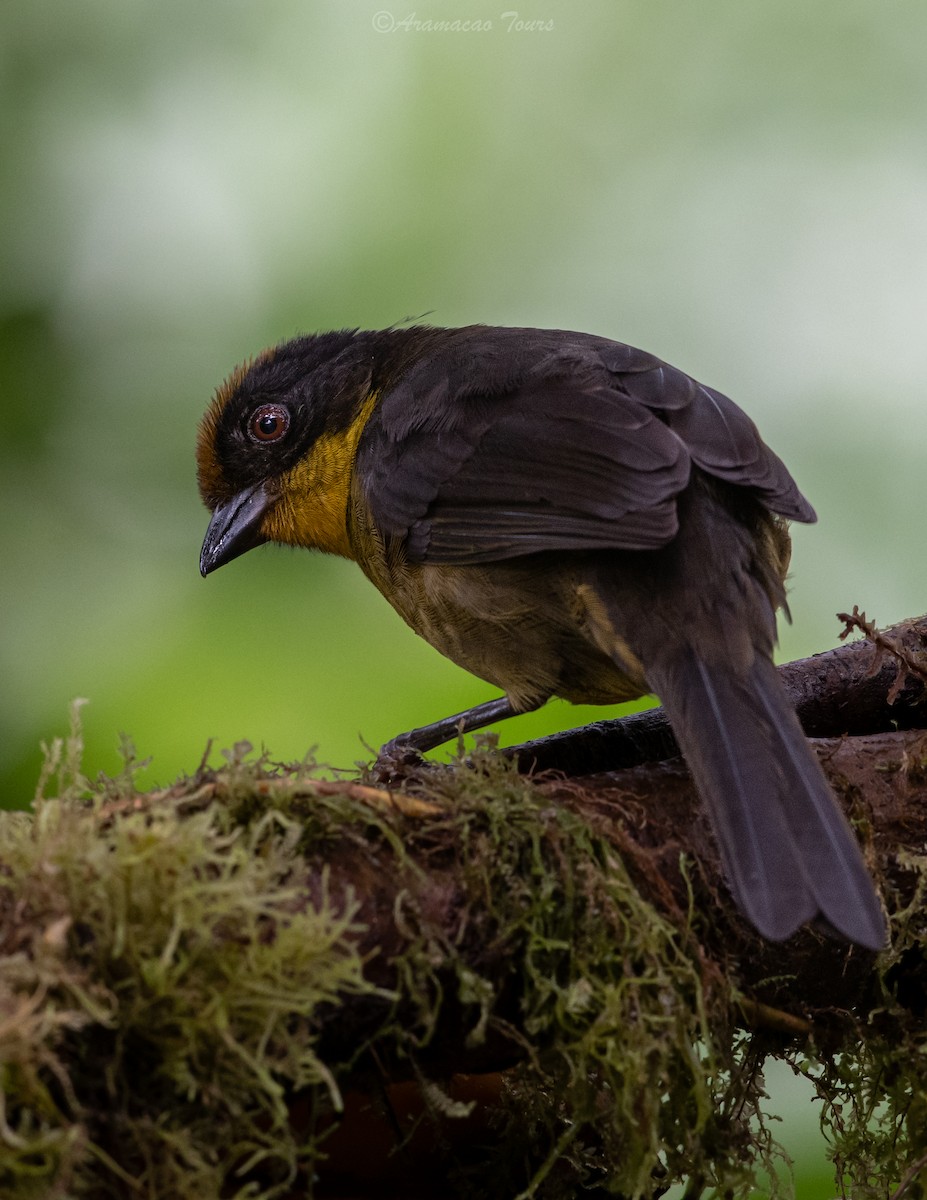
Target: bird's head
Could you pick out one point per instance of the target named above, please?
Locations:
(276, 447)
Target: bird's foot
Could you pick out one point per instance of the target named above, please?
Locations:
(397, 761)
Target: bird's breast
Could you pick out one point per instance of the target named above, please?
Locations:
(518, 624)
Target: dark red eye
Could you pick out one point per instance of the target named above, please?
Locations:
(269, 423)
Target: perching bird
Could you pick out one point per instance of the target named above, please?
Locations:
(563, 515)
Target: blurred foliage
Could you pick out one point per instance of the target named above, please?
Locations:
(739, 188)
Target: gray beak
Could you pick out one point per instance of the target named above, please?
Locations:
(235, 527)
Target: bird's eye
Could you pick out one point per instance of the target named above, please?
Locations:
(269, 423)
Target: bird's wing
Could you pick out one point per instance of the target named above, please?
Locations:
(587, 449)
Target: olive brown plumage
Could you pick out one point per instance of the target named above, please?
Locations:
(563, 515)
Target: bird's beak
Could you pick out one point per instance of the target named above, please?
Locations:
(235, 527)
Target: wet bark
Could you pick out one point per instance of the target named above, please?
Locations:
(865, 687)
(625, 777)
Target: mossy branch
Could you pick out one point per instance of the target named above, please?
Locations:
(871, 686)
(260, 983)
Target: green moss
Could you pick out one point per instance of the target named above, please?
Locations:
(170, 963)
(623, 1073)
(874, 1110)
(160, 975)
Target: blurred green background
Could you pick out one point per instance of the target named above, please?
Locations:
(739, 187)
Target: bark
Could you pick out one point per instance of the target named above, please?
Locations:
(865, 687)
(862, 705)
(626, 779)
(476, 915)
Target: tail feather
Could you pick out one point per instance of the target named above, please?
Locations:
(787, 849)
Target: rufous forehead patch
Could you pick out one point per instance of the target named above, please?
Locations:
(209, 474)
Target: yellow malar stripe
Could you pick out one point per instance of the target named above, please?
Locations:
(313, 506)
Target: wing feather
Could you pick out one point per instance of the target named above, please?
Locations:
(582, 444)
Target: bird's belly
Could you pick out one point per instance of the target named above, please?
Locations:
(515, 626)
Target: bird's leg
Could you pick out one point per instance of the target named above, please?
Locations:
(404, 752)
(478, 717)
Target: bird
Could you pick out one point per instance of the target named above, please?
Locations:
(563, 515)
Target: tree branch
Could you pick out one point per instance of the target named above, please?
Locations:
(196, 983)
(860, 688)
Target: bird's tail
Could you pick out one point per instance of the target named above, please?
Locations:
(787, 849)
